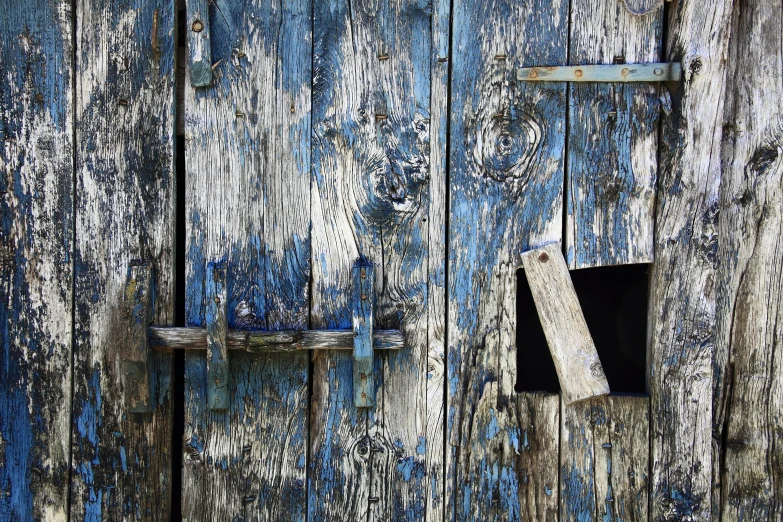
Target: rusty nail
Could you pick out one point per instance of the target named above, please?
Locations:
(216, 299)
(578, 73)
(217, 381)
(240, 54)
(364, 296)
(373, 499)
(498, 116)
(533, 74)
(240, 114)
(383, 57)
(544, 257)
(197, 26)
(292, 109)
(612, 114)
(379, 117)
(123, 102)
(364, 273)
(625, 71)
(214, 65)
(500, 57)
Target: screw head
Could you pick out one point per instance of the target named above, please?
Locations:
(658, 71)
(544, 257)
(197, 26)
(578, 73)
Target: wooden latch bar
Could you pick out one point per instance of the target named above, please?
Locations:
(632, 72)
(217, 328)
(199, 43)
(362, 304)
(137, 315)
(576, 360)
(217, 339)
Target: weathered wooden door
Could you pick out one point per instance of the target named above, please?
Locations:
(402, 135)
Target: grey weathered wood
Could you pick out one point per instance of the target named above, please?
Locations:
(573, 351)
(371, 198)
(125, 212)
(215, 298)
(681, 325)
(36, 247)
(247, 146)
(642, 7)
(625, 73)
(171, 338)
(436, 287)
(538, 452)
(134, 356)
(604, 459)
(506, 181)
(613, 135)
(750, 273)
(199, 32)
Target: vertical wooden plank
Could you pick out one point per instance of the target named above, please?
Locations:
(538, 455)
(507, 145)
(612, 139)
(134, 357)
(125, 212)
(750, 288)
(248, 184)
(681, 322)
(576, 360)
(436, 288)
(36, 270)
(604, 459)
(371, 164)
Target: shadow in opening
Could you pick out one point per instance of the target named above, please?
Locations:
(614, 303)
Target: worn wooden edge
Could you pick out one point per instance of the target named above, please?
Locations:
(136, 376)
(579, 369)
(623, 73)
(168, 338)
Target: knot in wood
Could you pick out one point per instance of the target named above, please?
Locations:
(505, 145)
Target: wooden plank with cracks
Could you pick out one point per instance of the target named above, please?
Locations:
(125, 210)
(247, 146)
(750, 280)
(134, 356)
(681, 323)
(506, 186)
(371, 195)
(215, 297)
(36, 263)
(576, 360)
(537, 455)
(612, 139)
(604, 459)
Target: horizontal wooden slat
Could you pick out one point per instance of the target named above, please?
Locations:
(166, 338)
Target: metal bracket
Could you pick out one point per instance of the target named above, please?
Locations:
(199, 43)
(637, 72)
(137, 315)
(216, 339)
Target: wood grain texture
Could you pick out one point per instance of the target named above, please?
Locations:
(36, 247)
(612, 139)
(371, 198)
(750, 288)
(681, 325)
(248, 194)
(436, 288)
(507, 144)
(538, 455)
(215, 298)
(572, 348)
(136, 315)
(362, 303)
(125, 212)
(604, 459)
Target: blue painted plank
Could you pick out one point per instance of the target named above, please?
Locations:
(125, 210)
(36, 255)
(363, 302)
(218, 396)
(506, 186)
(249, 205)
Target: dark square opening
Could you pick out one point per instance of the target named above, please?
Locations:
(614, 302)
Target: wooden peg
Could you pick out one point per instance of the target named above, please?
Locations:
(576, 359)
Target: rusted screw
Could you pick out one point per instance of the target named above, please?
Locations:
(578, 73)
(364, 296)
(544, 257)
(216, 299)
(533, 74)
(658, 71)
(197, 26)
(625, 71)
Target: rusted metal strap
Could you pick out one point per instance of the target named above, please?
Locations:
(636, 72)
(362, 303)
(217, 328)
(199, 43)
(137, 313)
